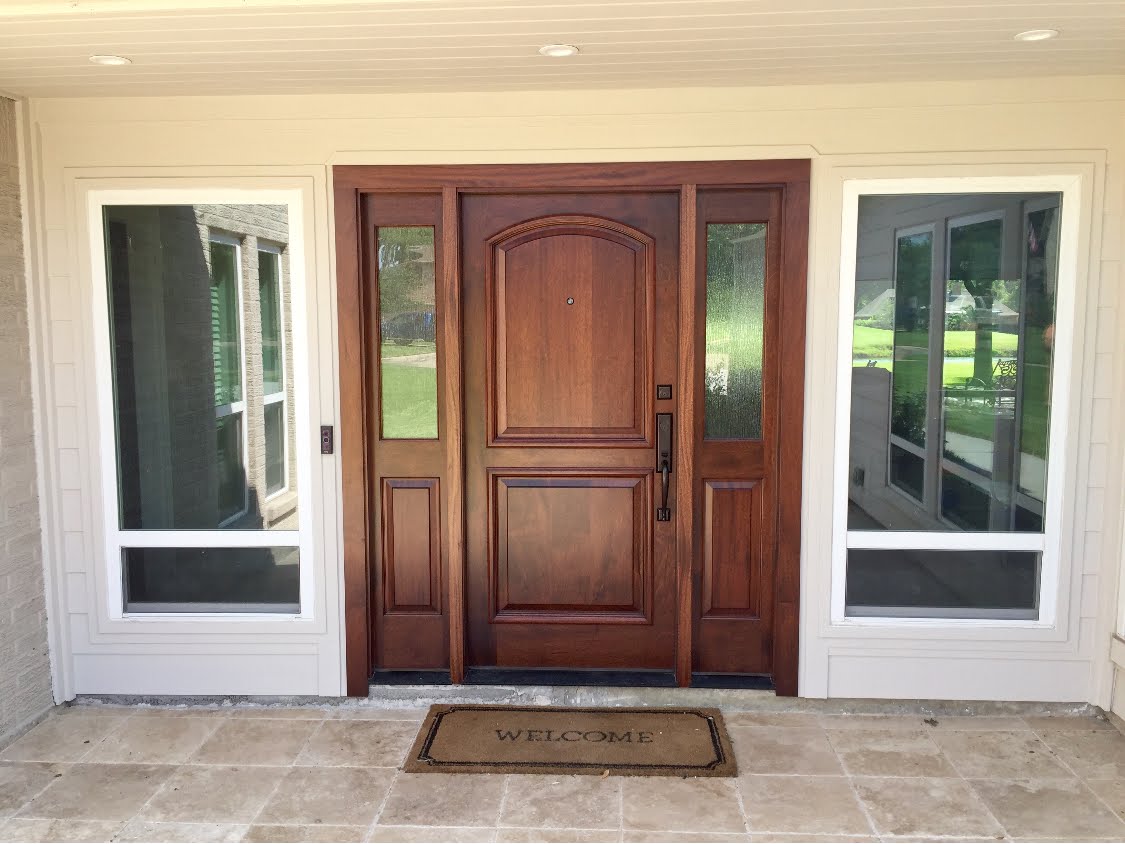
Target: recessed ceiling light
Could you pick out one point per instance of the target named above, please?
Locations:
(558, 51)
(1037, 35)
(110, 60)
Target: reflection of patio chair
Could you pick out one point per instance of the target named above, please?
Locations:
(1005, 377)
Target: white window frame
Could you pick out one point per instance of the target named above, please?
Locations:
(893, 439)
(1049, 543)
(238, 407)
(282, 396)
(306, 618)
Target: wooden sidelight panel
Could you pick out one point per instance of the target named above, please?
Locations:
(412, 576)
(735, 579)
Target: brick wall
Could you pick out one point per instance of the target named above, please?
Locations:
(25, 674)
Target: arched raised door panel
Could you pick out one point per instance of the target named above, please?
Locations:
(577, 291)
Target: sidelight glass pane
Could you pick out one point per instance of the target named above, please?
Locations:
(943, 584)
(953, 332)
(407, 332)
(211, 579)
(197, 333)
(736, 281)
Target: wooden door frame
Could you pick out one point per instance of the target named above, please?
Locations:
(352, 182)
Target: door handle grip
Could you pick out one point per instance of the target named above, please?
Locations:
(663, 514)
(664, 462)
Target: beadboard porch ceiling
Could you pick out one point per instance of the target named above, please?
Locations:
(275, 47)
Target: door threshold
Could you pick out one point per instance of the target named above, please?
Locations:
(570, 677)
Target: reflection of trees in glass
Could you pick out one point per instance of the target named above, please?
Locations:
(407, 330)
(736, 261)
(913, 268)
(974, 261)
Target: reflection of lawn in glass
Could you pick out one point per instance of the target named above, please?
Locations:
(409, 393)
(879, 343)
(978, 420)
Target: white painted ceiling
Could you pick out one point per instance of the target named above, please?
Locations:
(291, 46)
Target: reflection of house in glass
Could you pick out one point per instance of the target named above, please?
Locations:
(199, 305)
(950, 403)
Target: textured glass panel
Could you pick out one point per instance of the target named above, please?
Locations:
(275, 447)
(943, 584)
(736, 279)
(964, 434)
(192, 326)
(407, 349)
(269, 298)
(215, 579)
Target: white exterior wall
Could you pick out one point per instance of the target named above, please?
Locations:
(1013, 127)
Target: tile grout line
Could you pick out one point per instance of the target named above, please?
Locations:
(382, 805)
(503, 801)
(850, 779)
(273, 792)
(136, 816)
(1081, 780)
(969, 785)
(741, 808)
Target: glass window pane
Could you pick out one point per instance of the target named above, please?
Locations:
(275, 447)
(232, 477)
(407, 348)
(736, 280)
(226, 341)
(951, 362)
(943, 584)
(270, 303)
(910, 359)
(190, 363)
(211, 579)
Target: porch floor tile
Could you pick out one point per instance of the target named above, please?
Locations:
(298, 773)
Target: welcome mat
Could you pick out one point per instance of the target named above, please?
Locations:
(564, 740)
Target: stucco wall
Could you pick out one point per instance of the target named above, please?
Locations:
(25, 671)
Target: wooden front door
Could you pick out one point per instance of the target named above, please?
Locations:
(604, 470)
(570, 304)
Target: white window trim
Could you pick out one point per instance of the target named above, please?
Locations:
(1050, 542)
(111, 618)
(282, 396)
(233, 408)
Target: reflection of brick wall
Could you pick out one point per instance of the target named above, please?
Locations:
(163, 293)
(25, 672)
(254, 225)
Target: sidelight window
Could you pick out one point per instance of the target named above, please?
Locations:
(954, 331)
(407, 332)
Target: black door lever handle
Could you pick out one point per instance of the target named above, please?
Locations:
(664, 463)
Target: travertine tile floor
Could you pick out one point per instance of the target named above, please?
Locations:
(302, 774)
